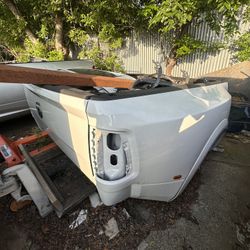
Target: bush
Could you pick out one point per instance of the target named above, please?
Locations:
(105, 60)
(242, 47)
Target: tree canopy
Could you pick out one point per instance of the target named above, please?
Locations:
(241, 47)
(173, 19)
(60, 29)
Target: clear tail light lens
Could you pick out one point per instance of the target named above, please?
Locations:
(108, 153)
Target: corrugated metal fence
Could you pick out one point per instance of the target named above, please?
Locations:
(139, 52)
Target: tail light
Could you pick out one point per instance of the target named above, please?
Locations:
(109, 154)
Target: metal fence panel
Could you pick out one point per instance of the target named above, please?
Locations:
(139, 52)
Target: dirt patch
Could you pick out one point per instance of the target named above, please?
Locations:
(239, 71)
(54, 233)
(19, 127)
(237, 76)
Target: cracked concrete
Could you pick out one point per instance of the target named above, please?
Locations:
(222, 210)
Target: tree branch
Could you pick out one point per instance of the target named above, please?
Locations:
(18, 15)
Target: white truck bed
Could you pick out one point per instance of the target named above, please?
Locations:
(144, 143)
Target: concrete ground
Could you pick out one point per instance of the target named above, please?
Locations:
(221, 214)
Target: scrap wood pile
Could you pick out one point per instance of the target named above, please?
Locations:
(10, 74)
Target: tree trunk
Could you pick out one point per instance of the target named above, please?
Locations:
(170, 63)
(74, 51)
(59, 43)
(18, 15)
(171, 60)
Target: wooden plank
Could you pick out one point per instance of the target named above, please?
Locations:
(12, 74)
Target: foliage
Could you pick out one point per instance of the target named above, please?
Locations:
(11, 29)
(173, 18)
(242, 47)
(81, 19)
(54, 55)
(78, 36)
(105, 60)
(169, 15)
(187, 44)
(110, 21)
(38, 50)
